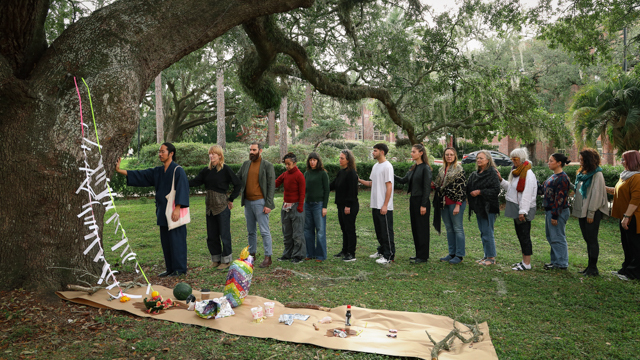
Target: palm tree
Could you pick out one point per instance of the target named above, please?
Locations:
(608, 108)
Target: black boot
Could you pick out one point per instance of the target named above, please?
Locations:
(592, 268)
(592, 271)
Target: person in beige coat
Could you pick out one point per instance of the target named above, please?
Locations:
(590, 204)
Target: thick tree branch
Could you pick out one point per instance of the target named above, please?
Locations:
(269, 41)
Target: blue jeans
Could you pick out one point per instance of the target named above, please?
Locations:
(486, 233)
(455, 229)
(315, 231)
(557, 238)
(253, 212)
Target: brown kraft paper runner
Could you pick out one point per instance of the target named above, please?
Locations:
(412, 341)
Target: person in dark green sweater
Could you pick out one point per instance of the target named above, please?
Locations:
(315, 208)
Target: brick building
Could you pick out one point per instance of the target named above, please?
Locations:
(365, 129)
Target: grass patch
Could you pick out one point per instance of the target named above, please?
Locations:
(532, 315)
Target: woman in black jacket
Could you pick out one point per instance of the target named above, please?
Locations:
(419, 180)
(483, 188)
(216, 179)
(346, 186)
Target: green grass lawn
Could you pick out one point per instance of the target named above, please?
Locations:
(532, 314)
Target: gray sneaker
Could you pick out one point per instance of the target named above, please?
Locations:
(375, 256)
(446, 258)
(455, 260)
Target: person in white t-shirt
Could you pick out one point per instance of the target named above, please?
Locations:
(382, 204)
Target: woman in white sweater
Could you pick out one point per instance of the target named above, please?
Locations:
(589, 204)
(521, 188)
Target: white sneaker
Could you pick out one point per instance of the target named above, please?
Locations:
(375, 256)
(382, 260)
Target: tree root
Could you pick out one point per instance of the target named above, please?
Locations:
(445, 344)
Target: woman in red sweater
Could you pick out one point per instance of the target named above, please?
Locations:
(292, 215)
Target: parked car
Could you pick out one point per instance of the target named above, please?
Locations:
(499, 158)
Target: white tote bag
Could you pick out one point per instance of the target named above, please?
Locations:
(185, 216)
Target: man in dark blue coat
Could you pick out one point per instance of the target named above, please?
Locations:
(174, 242)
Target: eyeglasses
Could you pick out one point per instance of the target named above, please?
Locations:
(162, 151)
(515, 158)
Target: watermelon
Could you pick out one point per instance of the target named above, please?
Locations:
(182, 291)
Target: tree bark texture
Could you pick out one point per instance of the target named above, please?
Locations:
(308, 107)
(159, 111)
(283, 127)
(271, 132)
(222, 135)
(118, 50)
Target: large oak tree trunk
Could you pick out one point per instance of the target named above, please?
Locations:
(118, 50)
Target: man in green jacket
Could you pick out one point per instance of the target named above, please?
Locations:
(258, 187)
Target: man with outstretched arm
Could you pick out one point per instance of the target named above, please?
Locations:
(174, 242)
(381, 184)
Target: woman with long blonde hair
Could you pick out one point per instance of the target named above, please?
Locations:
(216, 179)
(450, 200)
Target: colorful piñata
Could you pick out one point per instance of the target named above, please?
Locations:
(239, 279)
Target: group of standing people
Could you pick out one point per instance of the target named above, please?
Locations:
(306, 196)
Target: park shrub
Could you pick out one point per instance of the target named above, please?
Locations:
(362, 152)
(236, 156)
(188, 154)
(405, 142)
(341, 144)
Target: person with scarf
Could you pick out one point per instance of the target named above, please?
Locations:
(482, 191)
(626, 198)
(556, 193)
(589, 204)
(419, 180)
(449, 201)
(521, 189)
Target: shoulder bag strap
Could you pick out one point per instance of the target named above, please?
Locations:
(173, 182)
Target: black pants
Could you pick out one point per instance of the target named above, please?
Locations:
(590, 235)
(523, 230)
(219, 236)
(420, 227)
(348, 227)
(384, 232)
(631, 246)
(174, 247)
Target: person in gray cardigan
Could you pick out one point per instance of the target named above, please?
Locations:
(589, 204)
(258, 180)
